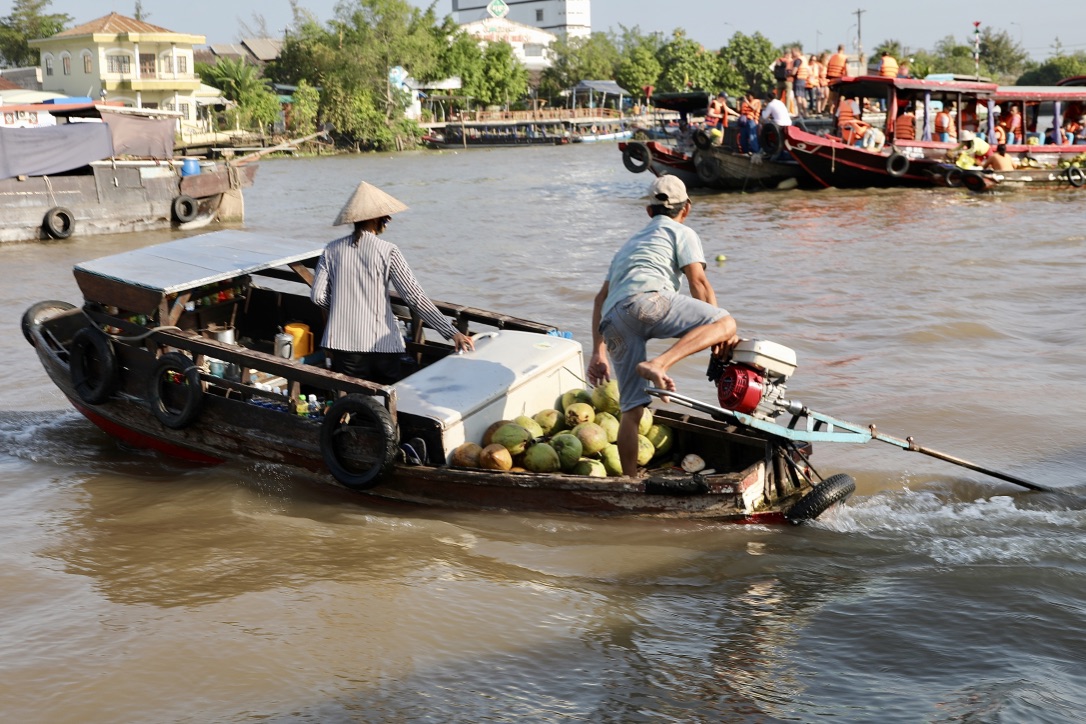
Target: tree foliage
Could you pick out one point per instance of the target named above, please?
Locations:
(1055, 69)
(303, 109)
(687, 65)
(577, 59)
(28, 21)
(749, 58)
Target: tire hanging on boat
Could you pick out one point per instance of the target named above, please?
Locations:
(185, 209)
(636, 157)
(92, 366)
(897, 165)
(175, 391)
(953, 177)
(359, 441)
(701, 139)
(834, 489)
(771, 137)
(59, 222)
(974, 181)
(31, 315)
(707, 167)
(1075, 176)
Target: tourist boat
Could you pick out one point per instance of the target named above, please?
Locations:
(498, 134)
(113, 172)
(838, 160)
(202, 347)
(594, 131)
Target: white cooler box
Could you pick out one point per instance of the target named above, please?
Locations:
(509, 374)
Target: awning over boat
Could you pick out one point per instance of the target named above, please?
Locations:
(177, 266)
(52, 149)
(601, 86)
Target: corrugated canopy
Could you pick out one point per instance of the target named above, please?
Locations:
(601, 86)
(176, 266)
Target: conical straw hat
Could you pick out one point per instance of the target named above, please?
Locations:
(368, 202)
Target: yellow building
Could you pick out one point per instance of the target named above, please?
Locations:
(118, 58)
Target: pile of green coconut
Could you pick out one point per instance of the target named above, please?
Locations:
(576, 437)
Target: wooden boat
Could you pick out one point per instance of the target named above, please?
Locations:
(1025, 177)
(116, 174)
(660, 159)
(837, 160)
(594, 131)
(723, 168)
(180, 356)
(499, 134)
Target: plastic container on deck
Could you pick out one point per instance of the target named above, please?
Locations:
(190, 167)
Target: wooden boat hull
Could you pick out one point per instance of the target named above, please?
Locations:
(981, 181)
(112, 198)
(663, 160)
(833, 163)
(721, 168)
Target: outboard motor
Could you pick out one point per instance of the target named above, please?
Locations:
(753, 380)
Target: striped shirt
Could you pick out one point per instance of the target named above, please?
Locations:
(352, 282)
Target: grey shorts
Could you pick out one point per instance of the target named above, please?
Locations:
(639, 318)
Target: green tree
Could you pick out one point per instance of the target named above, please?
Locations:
(637, 69)
(950, 56)
(750, 57)
(308, 53)
(577, 59)
(1055, 69)
(28, 21)
(892, 46)
(1001, 56)
(504, 79)
(687, 65)
(303, 110)
(259, 108)
(462, 57)
(234, 77)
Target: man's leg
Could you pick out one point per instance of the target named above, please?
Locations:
(702, 337)
(627, 439)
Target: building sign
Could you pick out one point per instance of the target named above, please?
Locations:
(497, 8)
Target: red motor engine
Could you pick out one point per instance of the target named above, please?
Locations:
(754, 378)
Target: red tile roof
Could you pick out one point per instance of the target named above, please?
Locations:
(113, 23)
(6, 84)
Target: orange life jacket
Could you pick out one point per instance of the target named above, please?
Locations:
(844, 112)
(1000, 134)
(969, 118)
(751, 109)
(803, 72)
(815, 79)
(853, 130)
(836, 65)
(888, 69)
(942, 122)
(905, 127)
(1012, 122)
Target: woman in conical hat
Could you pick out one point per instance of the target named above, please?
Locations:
(353, 280)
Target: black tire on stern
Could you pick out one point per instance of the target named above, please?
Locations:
(1075, 176)
(185, 209)
(771, 137)
(974, 181)
(59, 222)
(897, 165)
(32, 317)
(702, 139)
(834, 489)
(707, 167)
(359, 441)
(175, 391)
(636, 157)
(92, 366)
(953, 177)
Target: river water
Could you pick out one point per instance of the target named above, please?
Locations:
(138, 588)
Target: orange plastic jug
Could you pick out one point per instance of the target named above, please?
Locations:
(303, 338)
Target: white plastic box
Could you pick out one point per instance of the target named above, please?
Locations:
(509, 374)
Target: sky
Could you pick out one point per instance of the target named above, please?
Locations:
(817, 24)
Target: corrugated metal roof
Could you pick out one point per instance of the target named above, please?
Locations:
(176, 266)
(112, 23)
(263, 49)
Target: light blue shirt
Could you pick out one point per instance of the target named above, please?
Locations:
(652, 260)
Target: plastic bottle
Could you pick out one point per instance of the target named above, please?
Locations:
(314, 406)
(301, 407)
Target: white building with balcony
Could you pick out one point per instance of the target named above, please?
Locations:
(568, 18)
(123, 59)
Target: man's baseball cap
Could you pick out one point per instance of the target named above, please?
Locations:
(668, 191)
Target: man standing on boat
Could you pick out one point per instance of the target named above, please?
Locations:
(352, 282)
(640, 300)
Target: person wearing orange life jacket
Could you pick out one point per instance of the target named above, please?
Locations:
(799, 85)
(968, 115)
(1012, 123)
(943, 124)
(836, 68)
(814, 83)
(905, 125)
(1000, 135)
(750, 110)
(888, 65)
(716, 116)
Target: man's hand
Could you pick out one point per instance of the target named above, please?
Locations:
(462, 342)
(599, 369)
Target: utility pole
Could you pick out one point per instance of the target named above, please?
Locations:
(859, 40)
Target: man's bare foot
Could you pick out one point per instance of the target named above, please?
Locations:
(656, 376)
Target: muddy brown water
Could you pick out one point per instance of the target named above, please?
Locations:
(138, 588)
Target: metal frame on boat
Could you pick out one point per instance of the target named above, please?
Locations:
(174, 349)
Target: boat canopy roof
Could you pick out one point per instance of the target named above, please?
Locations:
(1041, 93)
(177, 266)
(688, 102)
(600, 86)
(872, 86)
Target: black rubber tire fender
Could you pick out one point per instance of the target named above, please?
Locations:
(702, 139)
(974, 181)
(953, 177)
(59, 222)
(832, 490)
(897, 165)
(31, 316)
(1075, 176)
(771, 138)
(351, 414)
(707, 167)
(92, 366)
(185, 209)
(636, 157)
(175, 391)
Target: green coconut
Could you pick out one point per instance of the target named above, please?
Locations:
(542, 458)
(609, 423)
(591, 468)
(661, 437)
(568, 397)
(646, 422)
(645, 450)
(530, 425)
(579, 412)
(466, 455)
(488, 436)
(593, 437)
(512, 437)
(612, 463)
(550, 421)
(569, 449)
(605, 397)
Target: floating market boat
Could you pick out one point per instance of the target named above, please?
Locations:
(107, 169)
(594, 131)
(202, 348)
(499, 134)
